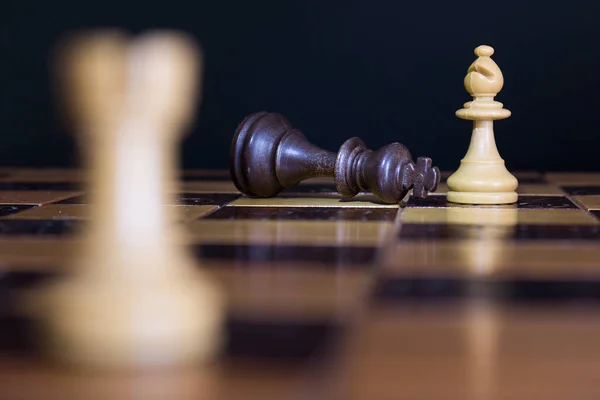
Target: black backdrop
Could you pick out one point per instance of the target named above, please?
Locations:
(381, 70)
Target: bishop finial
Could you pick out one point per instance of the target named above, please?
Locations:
(484, 78)
(483, 81)
(484, 51)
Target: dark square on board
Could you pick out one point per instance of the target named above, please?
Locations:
(404, 289)
(305, 213)
(59, 186)
(38, 227)
(521, 232)
(327, 257)
(205, 199)
(8, 209)
(523, 202)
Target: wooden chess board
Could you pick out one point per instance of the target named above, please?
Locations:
(349, 299)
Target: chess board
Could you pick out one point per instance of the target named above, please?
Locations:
(337, 298)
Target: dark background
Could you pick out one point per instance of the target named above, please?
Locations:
(381, 70)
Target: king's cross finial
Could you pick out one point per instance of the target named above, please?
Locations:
(422, 177)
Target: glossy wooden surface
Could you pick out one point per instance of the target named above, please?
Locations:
(336, 299)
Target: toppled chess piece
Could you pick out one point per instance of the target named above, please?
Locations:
(269, 155)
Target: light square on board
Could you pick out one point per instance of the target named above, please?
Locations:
(588, 202)
(53, 211)
(313, 200)
(574, 178)
(290, 232)
(190, 198)
(496, 216)
(34, 197)
(279, 291)
(35, 253)
(491, 258)
(83, 211)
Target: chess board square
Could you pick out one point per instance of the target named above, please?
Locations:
(286, 232)
(190, 198)
(313, 256)
(67, 210)
(18, 280)
(17, 336)
(39, 227)
(516, 232)
(313, 200)
(34, 197)
(524, 202)
(58, 186)
(572, 179)
(9, 209)
(278, 291)
(400, 289)
(53, 212)
(483, 259)
(395, 289)
(588, 202)
(205, 199)
(279, 340)
(40, 252)
(496, 216)
(215, 186)
(305, 213)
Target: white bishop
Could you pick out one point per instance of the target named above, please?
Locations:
(482, 177)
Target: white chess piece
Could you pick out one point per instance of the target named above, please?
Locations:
(482, 177)
(136, 297)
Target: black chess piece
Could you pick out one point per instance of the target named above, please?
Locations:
(268, 155)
